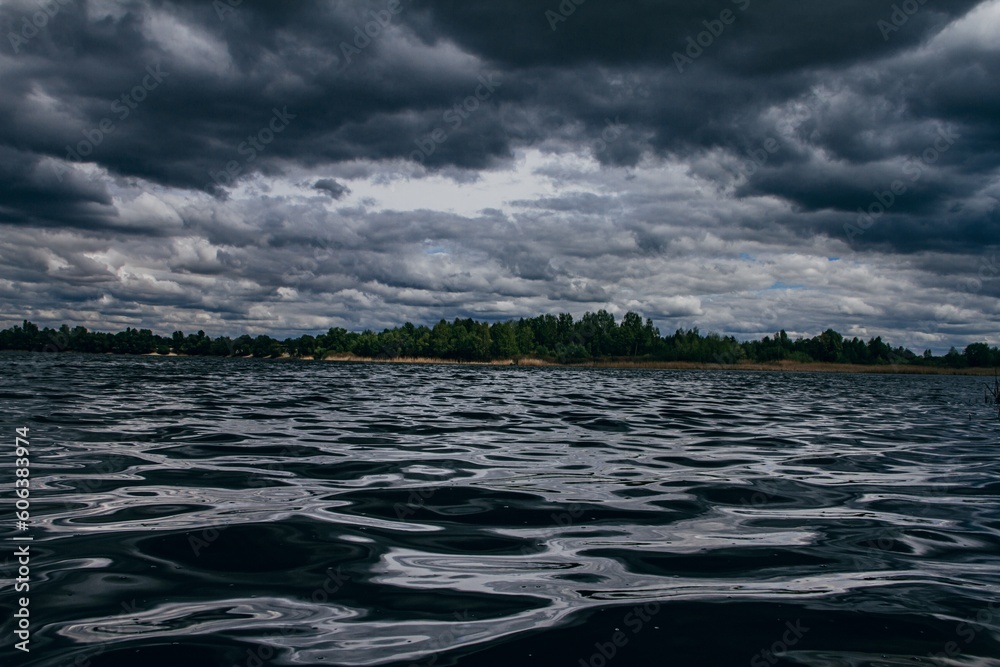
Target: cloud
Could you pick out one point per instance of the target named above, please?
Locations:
(332, 187)
(285, 169)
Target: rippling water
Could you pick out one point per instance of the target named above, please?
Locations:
(239, 512)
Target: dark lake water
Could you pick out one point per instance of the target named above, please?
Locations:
(193, 512)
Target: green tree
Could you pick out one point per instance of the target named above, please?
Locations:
(977, 355)
(830, 346)
(441, 344)
(177, 342)
(504, 341)
(525, 337)
(265, 346)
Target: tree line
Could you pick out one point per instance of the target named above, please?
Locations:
(559, 338)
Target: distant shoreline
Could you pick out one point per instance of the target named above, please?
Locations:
(595, 340)
(785, 366)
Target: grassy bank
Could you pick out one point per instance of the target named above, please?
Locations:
(785, 366)
(788, 366)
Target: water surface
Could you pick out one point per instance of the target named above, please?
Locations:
(246, 512)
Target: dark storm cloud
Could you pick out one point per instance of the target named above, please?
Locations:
(765, 35)
(226, 73)
(33, 194)
(122, 121)
(332, 187)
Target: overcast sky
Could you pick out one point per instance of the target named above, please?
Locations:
(283, 168)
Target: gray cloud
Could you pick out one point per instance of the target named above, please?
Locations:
(286, 169)
(332, 187)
